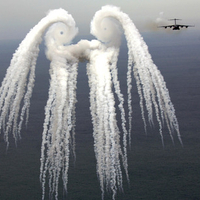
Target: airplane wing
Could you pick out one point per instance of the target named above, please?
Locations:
(170, 26)
(186, 26)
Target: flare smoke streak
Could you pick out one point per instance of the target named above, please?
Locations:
(58, 135)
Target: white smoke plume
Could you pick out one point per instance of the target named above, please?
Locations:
(58, 129)
(152, 90)
(59, 120)
(103, 74)
(153, 24)
(14, 87)
(58, 136)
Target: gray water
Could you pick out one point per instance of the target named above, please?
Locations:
(155, 173)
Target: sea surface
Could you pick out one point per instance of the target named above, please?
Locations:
(171, 172)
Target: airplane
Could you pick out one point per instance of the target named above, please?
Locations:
(175, 26)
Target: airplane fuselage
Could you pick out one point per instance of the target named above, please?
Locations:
(175, 27)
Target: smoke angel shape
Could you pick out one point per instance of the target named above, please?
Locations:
(110, 145)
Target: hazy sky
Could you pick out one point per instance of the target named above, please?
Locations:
(17, 17)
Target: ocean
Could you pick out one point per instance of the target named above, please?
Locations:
(156, 172)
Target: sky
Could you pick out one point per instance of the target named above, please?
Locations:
(17, 17)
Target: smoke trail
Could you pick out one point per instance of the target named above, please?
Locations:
(22, 69)
(106, 133)
(151, 85)
(151, 89)
(102, 73)
(59, 123)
